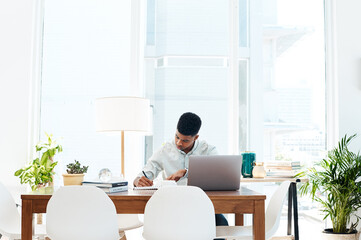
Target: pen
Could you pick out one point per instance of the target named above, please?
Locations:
(145, 175)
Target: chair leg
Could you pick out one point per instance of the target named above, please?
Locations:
(39, 218)
(122, 235)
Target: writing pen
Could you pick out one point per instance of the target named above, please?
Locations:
(145, 175)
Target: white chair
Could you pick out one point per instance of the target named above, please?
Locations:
(10, 221)
(272, 215)
(128, 222)
(178, 213)
(81, 212)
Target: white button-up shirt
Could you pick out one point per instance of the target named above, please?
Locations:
(169, 159)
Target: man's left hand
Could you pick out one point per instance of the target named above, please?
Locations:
(177, 175)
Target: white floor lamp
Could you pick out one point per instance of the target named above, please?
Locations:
(120, 114)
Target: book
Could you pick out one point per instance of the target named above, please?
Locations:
(283, 163)
(105, 184)
(281, 173)
(283, 167)
(114, 189)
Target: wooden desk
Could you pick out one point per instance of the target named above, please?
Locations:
(292, 199)
(237, 202)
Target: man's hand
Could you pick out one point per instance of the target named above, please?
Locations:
(177, 175)
(142, 182)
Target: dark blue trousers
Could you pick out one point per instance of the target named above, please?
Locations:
(221, 220)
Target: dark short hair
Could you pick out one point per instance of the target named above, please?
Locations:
(189, 124)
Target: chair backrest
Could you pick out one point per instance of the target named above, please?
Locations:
(274, 209)
(9, 216)
(128, 221)
(81, 212)
(178, 213)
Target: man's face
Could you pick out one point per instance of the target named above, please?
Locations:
(184, 142)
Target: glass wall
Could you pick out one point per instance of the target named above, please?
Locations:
(293, 80)
(187, 67)
(281, 80)
(85, 55)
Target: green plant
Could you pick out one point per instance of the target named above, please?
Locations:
(337, 177)
(75, 168)
(40, 171)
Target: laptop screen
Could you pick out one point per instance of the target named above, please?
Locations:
(216, 172)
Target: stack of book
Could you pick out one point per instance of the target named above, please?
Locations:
(109, 187)
(282, 168)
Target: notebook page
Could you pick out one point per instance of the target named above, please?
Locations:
(158, 185)
(146, 188)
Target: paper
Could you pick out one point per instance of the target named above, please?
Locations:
(146, 188)
(157, 185)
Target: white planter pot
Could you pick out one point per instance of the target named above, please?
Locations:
(334, 236)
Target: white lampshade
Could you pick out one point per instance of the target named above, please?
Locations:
(116, 114)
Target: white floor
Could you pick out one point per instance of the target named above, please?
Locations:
(309, 229)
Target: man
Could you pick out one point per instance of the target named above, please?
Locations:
(173, 158)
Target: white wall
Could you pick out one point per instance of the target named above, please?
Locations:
(15, 66)
(349, 68)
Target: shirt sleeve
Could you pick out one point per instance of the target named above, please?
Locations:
(153, 166)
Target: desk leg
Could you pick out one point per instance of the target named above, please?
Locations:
(259, 221)
(26, 220)
(289, 212)
(239, 219)
(295, 209)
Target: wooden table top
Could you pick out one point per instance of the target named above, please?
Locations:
(272, 179)
(242, 193)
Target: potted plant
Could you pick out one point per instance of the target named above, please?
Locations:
(39, 173)
(75, 173)
(337, 177)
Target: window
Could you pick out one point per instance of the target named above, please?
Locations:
(85, 55)
(281, 82)
(187, 67)
(293, 80)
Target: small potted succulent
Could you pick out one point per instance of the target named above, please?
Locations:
(75, 173)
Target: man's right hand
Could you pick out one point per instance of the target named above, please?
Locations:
(143, 182)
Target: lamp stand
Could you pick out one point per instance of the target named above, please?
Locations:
(122, 154)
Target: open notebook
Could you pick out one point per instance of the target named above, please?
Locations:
(158, 185)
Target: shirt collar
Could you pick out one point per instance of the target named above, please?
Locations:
(196, 143)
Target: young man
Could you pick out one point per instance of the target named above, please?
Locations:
(173, 158)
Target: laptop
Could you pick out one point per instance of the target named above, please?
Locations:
(215, 173)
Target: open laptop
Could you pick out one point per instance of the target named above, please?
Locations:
(215, 173)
